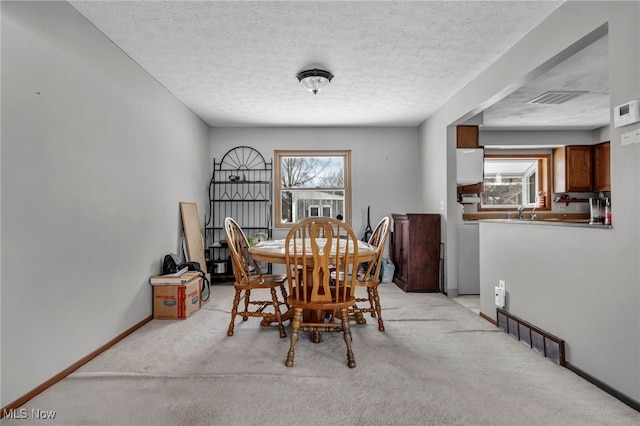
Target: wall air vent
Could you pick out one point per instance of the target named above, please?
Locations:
(540, 341)
(555, 97)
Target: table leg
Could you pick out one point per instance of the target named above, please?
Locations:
(268, 319)
(315, 336)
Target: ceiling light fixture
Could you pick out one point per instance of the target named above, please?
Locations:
(314, 80)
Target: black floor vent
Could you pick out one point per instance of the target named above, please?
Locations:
(540, 341)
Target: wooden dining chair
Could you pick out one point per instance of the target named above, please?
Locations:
(248, 278)
(370, 279)
(313, 249)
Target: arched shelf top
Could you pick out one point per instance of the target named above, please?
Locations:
(242, 158)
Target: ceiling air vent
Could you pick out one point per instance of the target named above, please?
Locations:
(556, 97)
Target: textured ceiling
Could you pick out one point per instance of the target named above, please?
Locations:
(234, 62)
(586, 71)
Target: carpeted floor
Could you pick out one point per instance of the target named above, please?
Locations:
(437, 364)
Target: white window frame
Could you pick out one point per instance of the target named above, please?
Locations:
(279, 154)
(528, 199)
(543, 180)
(320, 208)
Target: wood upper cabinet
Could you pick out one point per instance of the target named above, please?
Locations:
(582, 168)
(573, 168)
(467, 137)
(602, 167)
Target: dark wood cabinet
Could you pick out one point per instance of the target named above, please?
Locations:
(475, 188)
(467, 137)
(602, 167)
(573, 168)
(415, 251)
(582, 168)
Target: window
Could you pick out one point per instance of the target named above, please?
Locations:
(312, 183)
(514, 180)
(324, 211)
(530, 193)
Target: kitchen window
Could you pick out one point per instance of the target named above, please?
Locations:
(312, 183)
(514, 180)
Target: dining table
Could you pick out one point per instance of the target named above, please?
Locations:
(274, 251)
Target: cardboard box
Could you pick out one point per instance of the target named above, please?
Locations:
(177, 301)
(173, 279)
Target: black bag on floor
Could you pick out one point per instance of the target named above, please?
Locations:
(173, 263)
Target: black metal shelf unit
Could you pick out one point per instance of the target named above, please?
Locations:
(241, 188)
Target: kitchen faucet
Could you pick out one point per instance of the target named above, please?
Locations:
(521, 212)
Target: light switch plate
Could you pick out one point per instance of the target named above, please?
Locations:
(630, 137)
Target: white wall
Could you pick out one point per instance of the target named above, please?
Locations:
(597, 304)
(384, 162)
(578, 284)
(96, 156)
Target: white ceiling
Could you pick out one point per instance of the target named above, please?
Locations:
(234, 63)
(587, 70)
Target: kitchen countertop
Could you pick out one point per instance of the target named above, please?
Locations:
(575, 223)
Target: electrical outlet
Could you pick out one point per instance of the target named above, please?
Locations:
(562, 207)
(500, 294)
